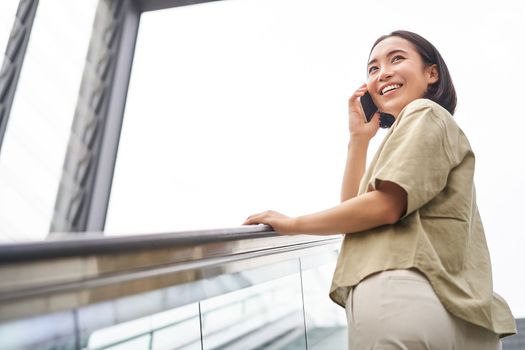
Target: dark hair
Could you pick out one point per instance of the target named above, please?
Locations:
(442, 91)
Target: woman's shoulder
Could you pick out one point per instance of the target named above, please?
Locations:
(421, 105)
(427, 116)
(423, 108)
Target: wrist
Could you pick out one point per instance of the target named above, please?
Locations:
(295, 226)
(358, 140)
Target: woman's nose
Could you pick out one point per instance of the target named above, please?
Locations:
(385, 74)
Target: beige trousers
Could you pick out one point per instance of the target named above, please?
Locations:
(398, 309)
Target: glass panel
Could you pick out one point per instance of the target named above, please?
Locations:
(132, 333)
(7, 18)
(325, 321)
(52, 331)
(268, 314)
(140, 343)
(178, 328)
(37, 133)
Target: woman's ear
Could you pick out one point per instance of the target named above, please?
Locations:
(432, 74)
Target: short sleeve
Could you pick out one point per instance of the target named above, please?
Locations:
(416, 157)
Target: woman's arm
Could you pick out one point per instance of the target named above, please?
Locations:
(355, 168)
(383, 206)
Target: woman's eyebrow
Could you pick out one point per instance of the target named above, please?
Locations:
(388, 54)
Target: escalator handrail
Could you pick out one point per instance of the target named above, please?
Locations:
(74, 244)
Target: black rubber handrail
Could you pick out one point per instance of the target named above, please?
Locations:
(97, 243)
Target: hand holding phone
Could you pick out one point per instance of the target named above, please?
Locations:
(369, 108)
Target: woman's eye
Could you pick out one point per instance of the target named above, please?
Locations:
(371, 69)
(396, 58)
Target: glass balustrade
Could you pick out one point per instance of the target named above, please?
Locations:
(279, 305)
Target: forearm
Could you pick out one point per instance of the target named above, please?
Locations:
(354, 169)
(360, 213)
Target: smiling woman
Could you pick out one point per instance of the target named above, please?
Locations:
(409, 56)
(414, 262)
(265, 72)
(236, 106)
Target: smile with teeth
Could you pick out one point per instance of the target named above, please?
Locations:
(390, 88)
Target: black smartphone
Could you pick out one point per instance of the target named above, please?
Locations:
(385, 119)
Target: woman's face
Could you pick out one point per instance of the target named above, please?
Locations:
(397, 75)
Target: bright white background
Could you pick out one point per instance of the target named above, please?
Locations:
(239, 106)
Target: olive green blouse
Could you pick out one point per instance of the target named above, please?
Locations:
(441, 234)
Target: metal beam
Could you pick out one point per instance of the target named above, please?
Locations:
(14, 59)
(83, 193)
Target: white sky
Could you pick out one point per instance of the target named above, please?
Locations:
(239, 106)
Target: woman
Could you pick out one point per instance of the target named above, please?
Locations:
(414, 270)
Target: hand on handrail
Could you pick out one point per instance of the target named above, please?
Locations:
(280, 223)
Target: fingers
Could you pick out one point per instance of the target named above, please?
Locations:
(250, 220)
(376, 118)
(259, 214)
(256, 218)
(359, 92)
(357, 117)
(267, 217)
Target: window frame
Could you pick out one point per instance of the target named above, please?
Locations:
(83, 196)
